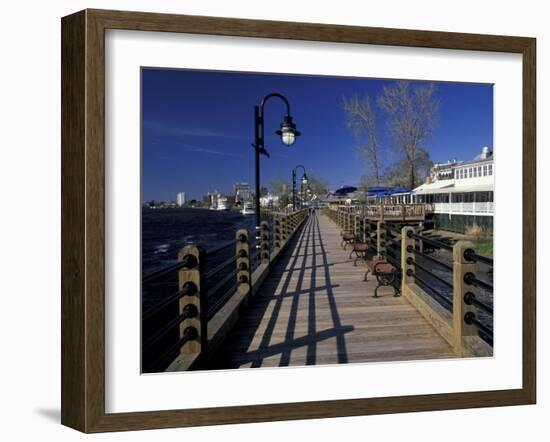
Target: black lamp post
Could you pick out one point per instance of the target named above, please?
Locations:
(287, 132)
(302, 183)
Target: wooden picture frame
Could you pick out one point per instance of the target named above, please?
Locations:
(83, 219)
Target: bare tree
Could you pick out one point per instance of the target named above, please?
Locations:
(362, 120)
(412, 116)
(281, 188)
(399, 173)
(318, 185)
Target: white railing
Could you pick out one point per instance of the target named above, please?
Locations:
(467, 208)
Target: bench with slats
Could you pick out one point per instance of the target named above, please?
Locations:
(385, 273)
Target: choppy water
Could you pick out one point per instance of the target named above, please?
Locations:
(164, 233)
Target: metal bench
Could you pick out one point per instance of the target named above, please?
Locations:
(360, 249)
(347, 238)
(385, 274)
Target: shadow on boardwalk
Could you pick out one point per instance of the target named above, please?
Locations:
(315, 308)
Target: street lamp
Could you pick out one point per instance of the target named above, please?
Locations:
(302, 184)
(287, 132)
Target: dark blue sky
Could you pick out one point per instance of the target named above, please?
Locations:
(198, 128)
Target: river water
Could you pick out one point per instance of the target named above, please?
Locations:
(164, 233)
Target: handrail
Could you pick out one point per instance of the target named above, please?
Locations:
(159, 274)
(471, 319)
(225, 245)
(220, 302)
(220, 266)
(470, 299)
(411, 249)
(470, 255)
(429, 272)
(430, 241)
(393, 229)
(189, 334)
(246, 258)
(188, 289)
(470, 279)
(426, 285)
(190, 311)
(221, 283)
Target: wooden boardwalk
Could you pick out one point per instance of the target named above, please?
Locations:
(315, 308)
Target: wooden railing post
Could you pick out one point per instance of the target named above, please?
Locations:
(461, 267)
(344, 218)
(277, 232)
(284, 229)
(407, 257)
(420, 243)
(362, 236)
(264, 242)
(193, 305)
(244, 276)
(381, 239)
(368, 233)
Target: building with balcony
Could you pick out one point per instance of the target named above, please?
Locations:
(462, 193)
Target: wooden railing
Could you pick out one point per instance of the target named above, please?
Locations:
(390, 212)
(211, 296)
(455, 317)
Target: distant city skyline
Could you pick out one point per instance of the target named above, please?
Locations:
(197, 129)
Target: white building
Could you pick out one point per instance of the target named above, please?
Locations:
(213, 199)
(464, 194)
(467, 187)
(443, 171)
(180, 199)
(241, 191)
(269, 201)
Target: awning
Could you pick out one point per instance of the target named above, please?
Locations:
(429, 189)
(441, 186)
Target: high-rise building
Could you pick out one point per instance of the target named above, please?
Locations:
(241, 191)
(212, 198)
(180, 199)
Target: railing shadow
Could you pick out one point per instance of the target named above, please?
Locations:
(340, 341)
(308, 243)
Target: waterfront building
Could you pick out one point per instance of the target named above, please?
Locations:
(241, 192)
(443, 171)
(212, 198)
(221, 203)
(180, 199)
(269, 201)
(461, 195)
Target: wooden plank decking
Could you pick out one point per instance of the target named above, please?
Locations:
(314, 308)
